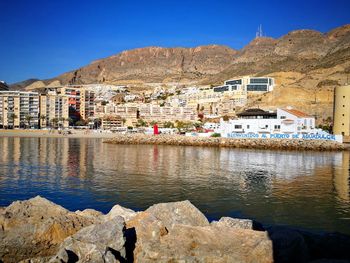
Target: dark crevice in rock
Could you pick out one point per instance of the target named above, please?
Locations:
(130, 237)
(117, 255)
(72, 257)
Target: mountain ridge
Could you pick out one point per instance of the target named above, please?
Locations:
(304, 61)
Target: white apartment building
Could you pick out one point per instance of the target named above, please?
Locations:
(248, 84)
(19, 109)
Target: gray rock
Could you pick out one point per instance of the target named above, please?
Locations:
(118, 210)
(91, 214)
(96, 243)
(182, 212)
(185, 243)
(234, 223)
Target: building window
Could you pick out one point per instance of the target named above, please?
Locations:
(283, 117)
(238, 126)
(252, 87)
(248, 126)
(277, 127)
(266, 126)
(342, 124)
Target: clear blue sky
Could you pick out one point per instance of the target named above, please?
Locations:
(44, 38)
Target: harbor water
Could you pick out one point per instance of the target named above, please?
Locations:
(307, 190)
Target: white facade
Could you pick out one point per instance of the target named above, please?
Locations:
(288, 121)
(249, 84)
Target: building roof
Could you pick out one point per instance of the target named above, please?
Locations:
(297, 113)
(256, 112)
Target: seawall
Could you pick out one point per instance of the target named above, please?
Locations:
(249, 143)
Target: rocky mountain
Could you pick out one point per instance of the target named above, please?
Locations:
(307, 65)
(155, 64)
(3, 85)
(22, 84)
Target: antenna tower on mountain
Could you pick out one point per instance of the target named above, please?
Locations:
(259, 32)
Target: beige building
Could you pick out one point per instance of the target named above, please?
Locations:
(19, 109)
(341, 111)
(54, 110)
(80, 100)
(111, 122)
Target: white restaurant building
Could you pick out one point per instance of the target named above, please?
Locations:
(257, 121)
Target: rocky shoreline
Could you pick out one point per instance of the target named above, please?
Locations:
(270, 144)
(38, 231)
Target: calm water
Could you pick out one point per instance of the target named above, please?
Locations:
(303, 189)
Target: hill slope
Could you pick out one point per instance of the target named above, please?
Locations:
(307, 65)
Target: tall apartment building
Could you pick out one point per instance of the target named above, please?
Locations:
(80, 101)
(341, 111)
(54, 110)
(19, 109)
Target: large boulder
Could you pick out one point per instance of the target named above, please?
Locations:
(155, 240)
(182, 212)
(185, 243)
(35, 228)
(96, 243)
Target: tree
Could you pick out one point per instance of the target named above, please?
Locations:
(54, 122)
(123, 121)
(141, 123)
(70, 120)
(42, 119)
(13, 116)
(152, 123)
(61, 120)
(182, 125)
(168, 124)
(28, 119)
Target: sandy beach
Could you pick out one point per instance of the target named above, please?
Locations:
(56, 133)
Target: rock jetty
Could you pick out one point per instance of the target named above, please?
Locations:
(271, 144)
(39, 231)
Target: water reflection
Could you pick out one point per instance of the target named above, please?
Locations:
(304, 189)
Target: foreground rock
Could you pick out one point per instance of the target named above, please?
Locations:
(96, 243)
(38, 231)
(36, 227)
(275, 144)
(178, 213)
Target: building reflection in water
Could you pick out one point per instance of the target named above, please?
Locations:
(341, 176)
(271, 186)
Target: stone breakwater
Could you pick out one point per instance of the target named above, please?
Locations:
(38, 231)
(271, 144)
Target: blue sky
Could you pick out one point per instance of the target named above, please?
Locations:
(44, 38)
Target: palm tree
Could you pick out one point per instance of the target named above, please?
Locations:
(28, 119)
(54, 121)
(61, 120)
(42, 119)
(13, 116)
